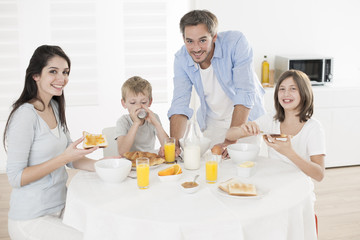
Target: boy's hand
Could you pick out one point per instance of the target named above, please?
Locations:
(133, 114)
(151, 118)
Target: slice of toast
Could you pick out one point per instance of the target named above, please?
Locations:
(236, 188)
(93, 140)
(224, 186)
(242, 189)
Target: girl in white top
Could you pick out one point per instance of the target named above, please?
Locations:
(38, 147)
(304, 145)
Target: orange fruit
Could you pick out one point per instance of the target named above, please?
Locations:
(177, 169)
(172, 170)
(167, 171)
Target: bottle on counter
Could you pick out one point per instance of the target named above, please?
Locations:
(265, 72)
(191, 146)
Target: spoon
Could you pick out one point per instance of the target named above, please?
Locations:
(196, 178)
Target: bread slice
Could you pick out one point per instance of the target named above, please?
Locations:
(242, 189)
(236, 188)
(154, 159)
(225, 185)
(280, 135)
(93, 140)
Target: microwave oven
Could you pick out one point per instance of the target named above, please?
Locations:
(318, 69)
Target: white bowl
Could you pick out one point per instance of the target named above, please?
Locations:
(245, 169)
(113, 170)
(240, 152)
(190, 190)
(170, 178)
(204, 144)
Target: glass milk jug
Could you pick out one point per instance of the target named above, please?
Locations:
(191, 146)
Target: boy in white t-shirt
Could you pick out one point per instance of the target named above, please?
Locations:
(133, 131)
(305, 142)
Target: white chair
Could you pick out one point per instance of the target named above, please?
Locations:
(111, 149)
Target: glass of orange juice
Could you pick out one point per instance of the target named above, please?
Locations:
(142, 172)
(211, 170)
(169, 149)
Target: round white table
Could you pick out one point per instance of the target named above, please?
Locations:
(284, 209)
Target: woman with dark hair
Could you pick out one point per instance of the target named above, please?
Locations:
(304, 144)
(38, 147)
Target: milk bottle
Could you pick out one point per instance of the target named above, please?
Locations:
(191, 147)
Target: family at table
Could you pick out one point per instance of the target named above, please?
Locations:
(219, 65)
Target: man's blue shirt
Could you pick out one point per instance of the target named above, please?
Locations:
(233, 66)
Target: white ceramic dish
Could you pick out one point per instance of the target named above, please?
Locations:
(170, 178)
(245, 169)
(204, 144)
(113, 170)
(190, 190)
(240, 152)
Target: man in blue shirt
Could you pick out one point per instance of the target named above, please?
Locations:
(220, 67)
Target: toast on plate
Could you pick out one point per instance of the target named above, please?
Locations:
(236, 188)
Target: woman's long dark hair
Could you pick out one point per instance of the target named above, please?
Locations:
(38, 61)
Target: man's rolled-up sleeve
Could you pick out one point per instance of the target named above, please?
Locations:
(182, 92)
(244, 76)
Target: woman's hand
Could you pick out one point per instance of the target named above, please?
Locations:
(72, 153)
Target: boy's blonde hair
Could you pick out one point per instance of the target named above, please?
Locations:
(136, 85)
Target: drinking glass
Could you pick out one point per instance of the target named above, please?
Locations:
(169, 149)
(142, 172)
(211, 166)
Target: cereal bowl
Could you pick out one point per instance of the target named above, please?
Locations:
(113, 170)
(241, 152)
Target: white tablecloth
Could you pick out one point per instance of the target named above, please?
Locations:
(122, 211)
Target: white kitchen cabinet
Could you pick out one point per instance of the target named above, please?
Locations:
(338, 109)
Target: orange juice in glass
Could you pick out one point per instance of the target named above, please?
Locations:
(211, 170)
(169, 149)
(142, 172)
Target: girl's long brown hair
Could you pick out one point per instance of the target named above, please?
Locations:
(306, 105)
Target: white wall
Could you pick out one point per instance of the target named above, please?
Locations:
(324, 27)
(306, 27)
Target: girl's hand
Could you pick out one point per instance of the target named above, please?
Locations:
(283, 147)
(72, 153)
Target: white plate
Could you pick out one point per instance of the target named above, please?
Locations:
(259, 192)
(151, 167)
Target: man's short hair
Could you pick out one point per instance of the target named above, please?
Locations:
(196, 17)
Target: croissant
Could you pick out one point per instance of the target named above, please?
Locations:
(154, 159)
